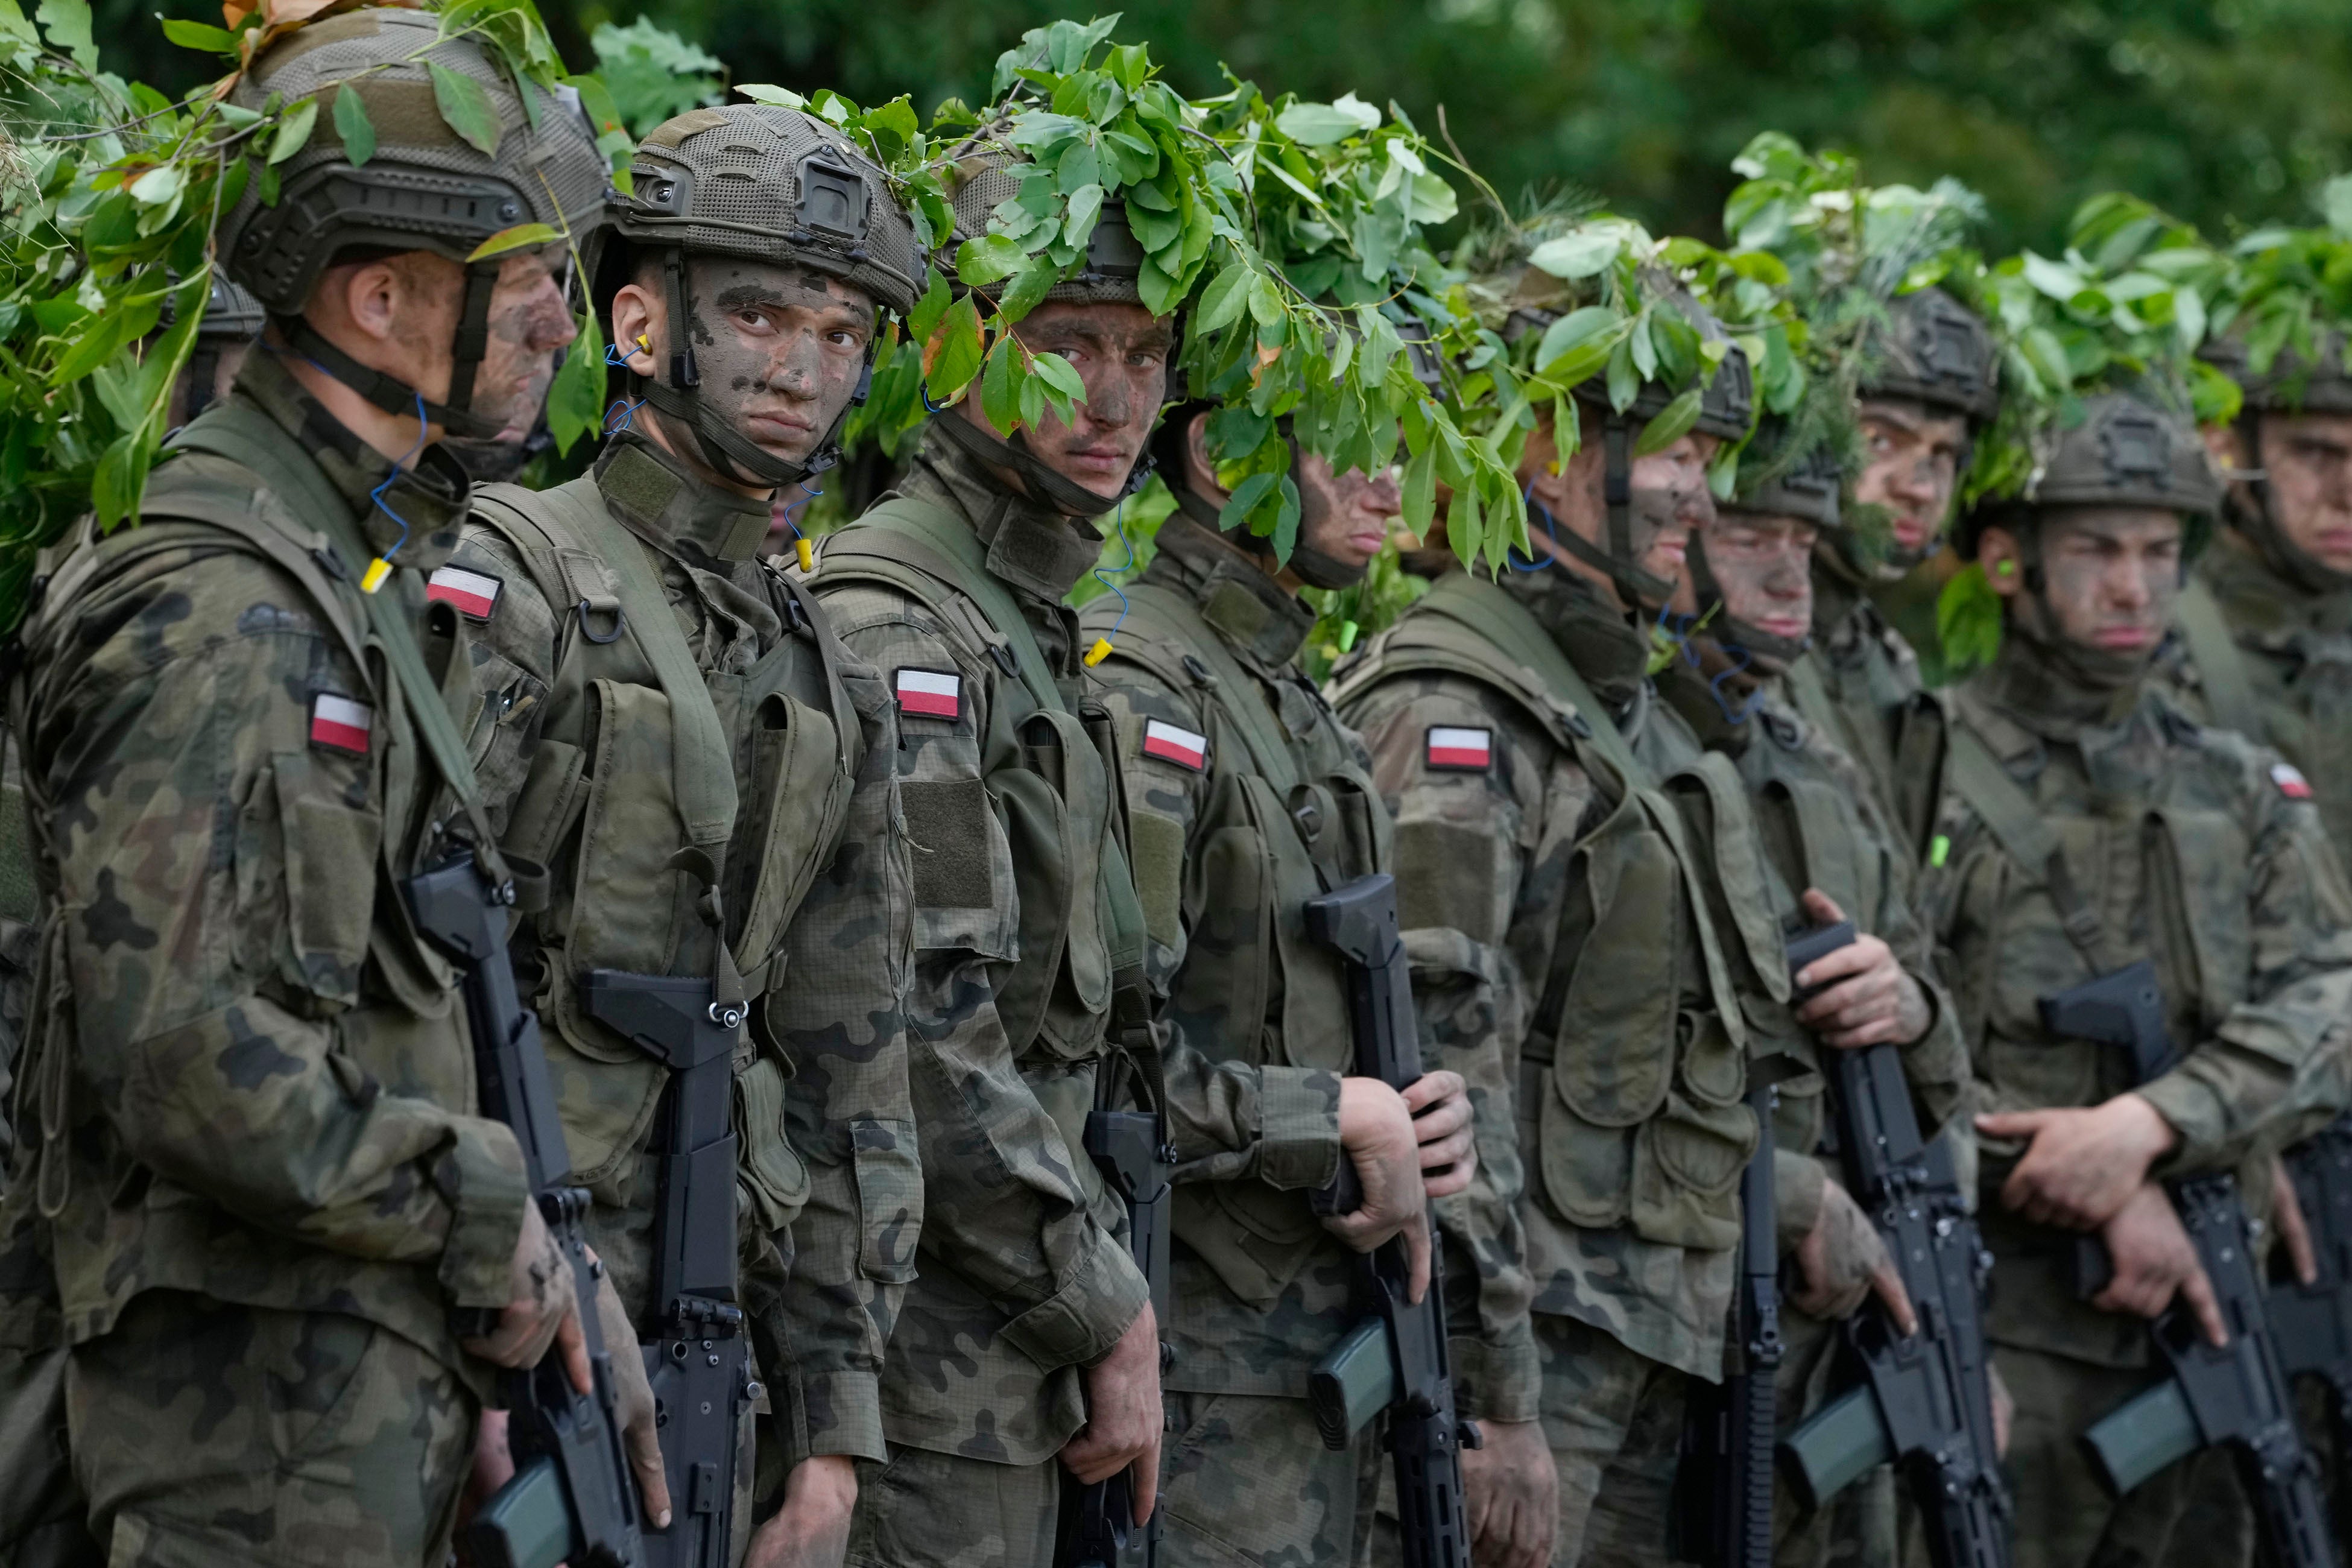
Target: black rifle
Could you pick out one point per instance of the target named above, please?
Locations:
(2313, 1323)
(572, 1498)
(2236, 1394)
(1396, 1359)
(697, 1359)
(1923, 1401)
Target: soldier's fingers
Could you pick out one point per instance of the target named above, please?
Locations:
(1822, 909)
(1432, 1087)
(2012, 1123)
(2287, 1209)
(1147, 1479)
(572, 1344)
(1416, 1251)
(1852, 959)
(2201, 1301)
(1888, 1284)
(646, 1462)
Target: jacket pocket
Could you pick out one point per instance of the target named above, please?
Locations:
(330, 851)
(774, 1180)
(889, 1167)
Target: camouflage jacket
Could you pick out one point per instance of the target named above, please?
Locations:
(2191, 847)
(2263, 654)
(1560, 910)
(259, 1078)
(1860, 686)
(593, 795)
(1024, 1276)
(1251, 797)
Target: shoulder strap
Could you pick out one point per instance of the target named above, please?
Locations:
(2230, 699)
(1977, 776)
(1161, 621)
(1484, 608)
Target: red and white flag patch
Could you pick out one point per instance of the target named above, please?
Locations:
(1170, 744)
(2289, 780)
(929, 693)
(342, 723)
(474, 593)
(1462, 751)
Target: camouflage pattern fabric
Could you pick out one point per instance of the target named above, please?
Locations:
(1614, 1422)
(924, 1509)
(1247, 1479)
(1859, 685)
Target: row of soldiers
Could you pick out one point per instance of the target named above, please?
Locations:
(951, 883)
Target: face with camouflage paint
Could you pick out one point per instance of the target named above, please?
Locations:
(1913, 470)
(1670, 500)
(1762, 562)
(2308, 459)
(2103, 581)
(1120, 352)
(779, 348)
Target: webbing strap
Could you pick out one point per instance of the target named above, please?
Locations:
(1976, 775)
(2230, 700)
(1160, 614)
(1488, 611)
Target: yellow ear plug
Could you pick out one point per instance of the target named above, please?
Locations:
(807, 553)
(378, 571)
(644, 343)
(1099, 652)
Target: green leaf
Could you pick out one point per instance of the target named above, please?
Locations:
(1578, 329)
(521, 236)
(1244, 499)
(353, 124)
(294, 131)
(1061, 375)
(1577, 254)
(67, 24)
(991, 258)
(1029, 285)
(1419, 494)
(1085, 206)
(929, 310)
(1223, 300)
(765, 92)
(1265, 300)
(952, 354)
(465, 109)
(575, 398)
(1671, 424)
(159, 185)
(1968, 621)
(197, 36)
(1000, 385)
(1321, 124)
(2335, 201)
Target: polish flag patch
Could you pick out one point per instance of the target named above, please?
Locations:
(1170, 744)
(929, 693)
(340, 723)
(473, 594)
(2289, 780)
(1462, 751)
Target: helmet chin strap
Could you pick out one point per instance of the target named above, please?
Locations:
(1043, 483)
(1619, 561)
(454, 414)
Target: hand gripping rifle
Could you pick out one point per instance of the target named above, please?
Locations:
(1396, 1359)
(573, 1499)
(2313, 1323)
(1924, 1401)
(2236, 1394)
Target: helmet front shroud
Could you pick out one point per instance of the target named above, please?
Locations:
(424, 189)
(2292, 385)
(767, 184)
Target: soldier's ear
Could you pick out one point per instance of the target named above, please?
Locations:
(2003, 561)
(637, 327)
(1202, 476)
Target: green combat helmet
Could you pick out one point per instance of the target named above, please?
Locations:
(1935, 350)
(2125, 453)
(1810, 489)
(232, 318)
(766, 184)
(2292, 385)
(424, 189)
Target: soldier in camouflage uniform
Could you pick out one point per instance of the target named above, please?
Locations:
(1929, 391)
(1749, 592)
(1549, 847)
(2087, 822)
(712, 798)
(255, 1172)
(1248, 797)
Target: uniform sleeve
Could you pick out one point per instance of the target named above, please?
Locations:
(1479, 878)
(214, 865)
(2255, 1075)
(1004, 1207)
(840, 1017)
(1230, 1120)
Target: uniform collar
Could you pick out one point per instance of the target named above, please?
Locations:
(2272, 607)
(1264, 622)
(2030, 684)
(655, 494)
(1603, 642)
(1031, 547)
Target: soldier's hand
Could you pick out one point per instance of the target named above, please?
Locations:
(1124, 1415)
(2154, 1259)
(542, 1309)
(1510, 1490)
(1439, 1104)
(812, 1530)
(635, 1396)
(2084, 1164)
(1870, 998)
(1842, 1260)
(2005, 1411)
(1377, 1135)
(2286, 1213)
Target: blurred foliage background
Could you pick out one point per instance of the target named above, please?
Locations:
(2218, 110)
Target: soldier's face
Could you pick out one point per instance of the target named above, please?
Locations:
(1120, 351)
(2309, 460)
(1346, 516)
(2111, 574)
(1671, 503)
(529, 319)
(1763, 564)
(1914, 467)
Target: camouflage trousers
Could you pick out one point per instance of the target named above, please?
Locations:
(1857, 1528)
(1246, 1482)
(926, 1509)
(212, 1436)
(1614, 1421)
(2066, 1519)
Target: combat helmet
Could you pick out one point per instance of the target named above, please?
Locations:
(1935, 350)
(425, 188)
(232, 317)
(2125, 452)
(764, 182)
(1810, 489)
(2292, 385)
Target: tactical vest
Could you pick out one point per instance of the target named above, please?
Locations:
(2306, 712)
(1633, 1071)
(1291, 814)
(1049, 764)
(643, 759)
(1877, 714)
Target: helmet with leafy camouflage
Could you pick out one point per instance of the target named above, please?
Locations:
(1809, 490)
(425, 188)
(2292, 385)
(1937, 351)
(2127, 452)
(764, 182)
(232, 318)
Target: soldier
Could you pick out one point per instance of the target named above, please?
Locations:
(2087, 822)
(1929, 392)
(1248, 798)
(233, 319)
(709, 776)
(1750, 590)
(256, 1162)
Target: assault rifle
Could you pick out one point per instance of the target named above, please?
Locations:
(572, 1498)
(2313, 1323)
(698, 1359)
(1096, 1527)
(1924, 1401)
(1396, 1359)
(2236, 1394)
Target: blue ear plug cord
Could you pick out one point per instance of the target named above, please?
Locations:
(1101, 648)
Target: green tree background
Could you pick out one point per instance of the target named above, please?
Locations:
(2235, 110)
